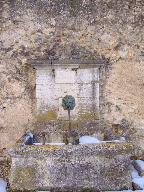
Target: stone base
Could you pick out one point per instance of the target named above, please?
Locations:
(93, 167)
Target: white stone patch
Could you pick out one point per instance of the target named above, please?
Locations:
(87, 90)
(44, 77)
(45, 106)
(65, 76)
(66, 89)
(47, 92)
(87, 75)
(88, 104)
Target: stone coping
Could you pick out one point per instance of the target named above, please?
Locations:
(65, 151)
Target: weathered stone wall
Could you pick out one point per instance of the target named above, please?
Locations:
(81, 167)
(74, 29)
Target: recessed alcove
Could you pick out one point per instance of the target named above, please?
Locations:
(56, 79)
(82, 79)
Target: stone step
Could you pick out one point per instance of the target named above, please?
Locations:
(139, 166)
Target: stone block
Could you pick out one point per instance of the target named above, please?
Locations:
(66, 89)
(44, 77)
(88, 90)
(88, 75)
(65, 76)
(91, 167)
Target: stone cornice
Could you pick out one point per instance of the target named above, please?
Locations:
(77, 63)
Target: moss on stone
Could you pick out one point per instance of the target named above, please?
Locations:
(50, 115)
(88, 116)
(87, 190)
(74, 6)
(29, 150)
(45, 147)
(23, 191)
(24, 176)
(127, 146)
(74, 3)
(74, 124)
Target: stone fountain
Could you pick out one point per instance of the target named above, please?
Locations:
(92, 167)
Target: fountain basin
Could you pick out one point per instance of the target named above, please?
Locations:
(98, 167)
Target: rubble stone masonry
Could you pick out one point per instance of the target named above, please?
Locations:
(72, 29)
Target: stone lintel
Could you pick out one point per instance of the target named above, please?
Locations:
(77, 63)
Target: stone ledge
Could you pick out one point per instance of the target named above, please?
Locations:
(109, 148)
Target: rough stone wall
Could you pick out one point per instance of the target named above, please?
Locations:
(125, 90)
(78, 29)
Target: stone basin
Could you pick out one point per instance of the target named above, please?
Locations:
(98, 167)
